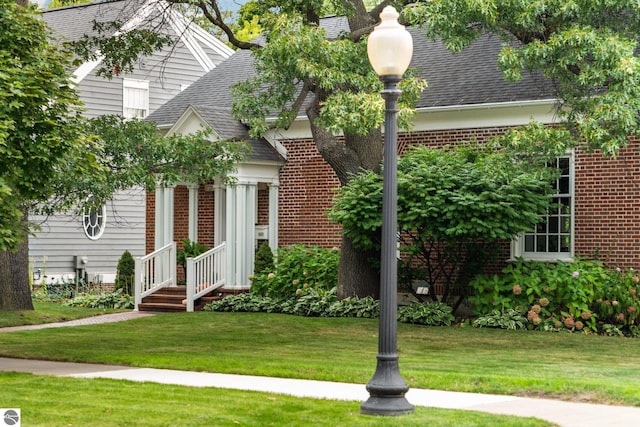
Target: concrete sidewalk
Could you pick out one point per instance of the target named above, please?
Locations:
(566, 414)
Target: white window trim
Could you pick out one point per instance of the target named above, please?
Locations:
(101, 229)
(517, 244)
(134, 84)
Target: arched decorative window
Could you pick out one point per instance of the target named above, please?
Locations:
(94, 219)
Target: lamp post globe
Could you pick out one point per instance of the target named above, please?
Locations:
(389, 48)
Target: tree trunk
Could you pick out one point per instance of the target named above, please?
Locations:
(357, 276)
(15, 292)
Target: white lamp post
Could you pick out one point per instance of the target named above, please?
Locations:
(389, 48)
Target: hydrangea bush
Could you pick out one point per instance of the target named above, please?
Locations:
(575, 296)
(296, 268)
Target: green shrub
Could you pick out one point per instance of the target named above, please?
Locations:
(115, 299)
(505, 319)
(189, 250)
(431, 313)
(245, 302)
(313, 302)
(365, 307)
(264, 259)
(298, 267)
(125, 273)
(576, 296)
(454, 206)
(57, 291)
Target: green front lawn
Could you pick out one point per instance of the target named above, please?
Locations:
(50, 401)
(558, 365)
(48, 312)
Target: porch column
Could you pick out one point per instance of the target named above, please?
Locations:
(168, 215)
(241, 232)
(230, 231)
(252, 214)
(164, 217)
(274, 189)
(193, 212)
(219, 215)
(159, 219)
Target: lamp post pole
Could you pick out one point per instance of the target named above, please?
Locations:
(387, 387)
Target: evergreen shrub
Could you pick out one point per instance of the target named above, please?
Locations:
(125, 273)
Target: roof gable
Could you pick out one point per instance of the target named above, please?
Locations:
(73, 22)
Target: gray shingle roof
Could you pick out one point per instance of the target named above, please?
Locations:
(213, 90)
(465, 78)
(471, 76)
(210, 97)
(223, 123)
(72, 22)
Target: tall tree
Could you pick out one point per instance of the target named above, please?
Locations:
(586, 47)
(330, 79)
(38, 126)
(51, 157)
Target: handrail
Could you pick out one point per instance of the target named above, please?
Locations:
(205, 273)
(154, 271)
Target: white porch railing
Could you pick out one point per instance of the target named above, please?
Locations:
(205, 273)
(154, 271)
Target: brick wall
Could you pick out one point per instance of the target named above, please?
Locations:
(607, 199)
(306, 183)
(263, 205)
(206, 209)
(607, 207)
(150, 222)
(180, 214)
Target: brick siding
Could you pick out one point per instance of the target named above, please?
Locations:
(607, 199)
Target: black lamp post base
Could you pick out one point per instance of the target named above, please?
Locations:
(386, 406)
(386, 390)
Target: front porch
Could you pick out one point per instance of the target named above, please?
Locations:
(156, 280)
(231, 218)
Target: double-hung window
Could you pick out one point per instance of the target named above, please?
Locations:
(552, 237)
(135, 98)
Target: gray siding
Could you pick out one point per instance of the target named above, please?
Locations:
(165, 74)
(62, 237)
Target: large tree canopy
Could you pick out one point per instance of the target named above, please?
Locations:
(39, 117)
(52, 159)
(585, 47)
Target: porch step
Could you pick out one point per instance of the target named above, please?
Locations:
(171, 299)
(165, 300)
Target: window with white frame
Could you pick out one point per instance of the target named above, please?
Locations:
(94, 219)
(552, 238)
(135, 98)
